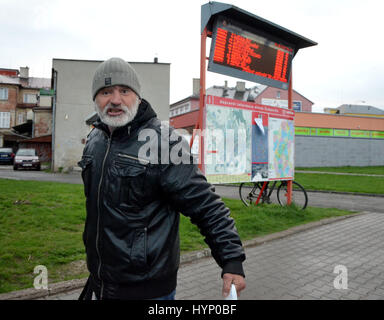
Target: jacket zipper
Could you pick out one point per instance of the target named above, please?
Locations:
(98, 216)
(145, 245)
(122, 155)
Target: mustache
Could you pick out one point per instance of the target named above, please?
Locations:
(115, 107)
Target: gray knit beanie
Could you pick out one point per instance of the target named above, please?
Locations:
(115, 71)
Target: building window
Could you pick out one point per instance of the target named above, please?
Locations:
(5, 119)
(297, 106)
(277, 94)
(3, 93)
(29, 98)
(20, 118)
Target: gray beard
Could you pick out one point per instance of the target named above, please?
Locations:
(118, 121)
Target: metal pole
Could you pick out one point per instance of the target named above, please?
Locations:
(202, 96)
(54, 101)
(290, 106)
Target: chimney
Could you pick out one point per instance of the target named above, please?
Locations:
(225, 89)
(240, 86)
(196, 87)
(24, 72)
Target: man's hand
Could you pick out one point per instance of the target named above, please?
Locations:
(236, 279)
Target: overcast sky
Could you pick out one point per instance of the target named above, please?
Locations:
(347, 65)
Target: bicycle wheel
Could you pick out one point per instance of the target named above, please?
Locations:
(249, 192)
(299, 195)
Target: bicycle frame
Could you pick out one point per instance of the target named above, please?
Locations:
(265, 185)
(261, 192)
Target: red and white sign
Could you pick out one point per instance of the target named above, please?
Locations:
(231, 103)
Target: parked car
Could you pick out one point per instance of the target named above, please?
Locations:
(26, 159)
(6, 155)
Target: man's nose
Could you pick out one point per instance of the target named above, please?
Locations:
(116, 98)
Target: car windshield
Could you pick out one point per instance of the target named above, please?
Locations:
(26, 152)
(7, 150)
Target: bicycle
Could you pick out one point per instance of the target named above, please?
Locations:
(256, 192)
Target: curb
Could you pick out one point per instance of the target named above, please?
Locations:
(379, 195)
(341, 173)
(53, 289)
(65, 286)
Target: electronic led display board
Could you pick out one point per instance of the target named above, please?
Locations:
(248, 54)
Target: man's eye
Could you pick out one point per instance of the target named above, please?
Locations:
(124, 91)
(104, 93)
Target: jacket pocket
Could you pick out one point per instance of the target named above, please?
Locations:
(86, 173)
(127, 187)
(139, 251)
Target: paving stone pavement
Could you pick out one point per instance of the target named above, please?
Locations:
(300, 266)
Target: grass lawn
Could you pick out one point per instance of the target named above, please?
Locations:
(331, 182)
(41, 223)
(364, 170)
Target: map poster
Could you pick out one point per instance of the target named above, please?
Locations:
(281, 146)
(245, 141)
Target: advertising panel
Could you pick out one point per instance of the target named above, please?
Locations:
(246, 142)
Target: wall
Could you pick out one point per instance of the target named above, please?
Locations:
(74, 103)
(42, 122)
(336, 151)
(336, 121)
(271, 93)
(45, 101)
(317, 151)
(186, 121)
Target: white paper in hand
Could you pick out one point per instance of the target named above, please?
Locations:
(232, 293)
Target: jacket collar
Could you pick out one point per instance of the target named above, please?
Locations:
(144, 113)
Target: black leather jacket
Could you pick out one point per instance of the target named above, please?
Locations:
(131, 230)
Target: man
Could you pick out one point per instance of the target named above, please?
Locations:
(133, 204)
